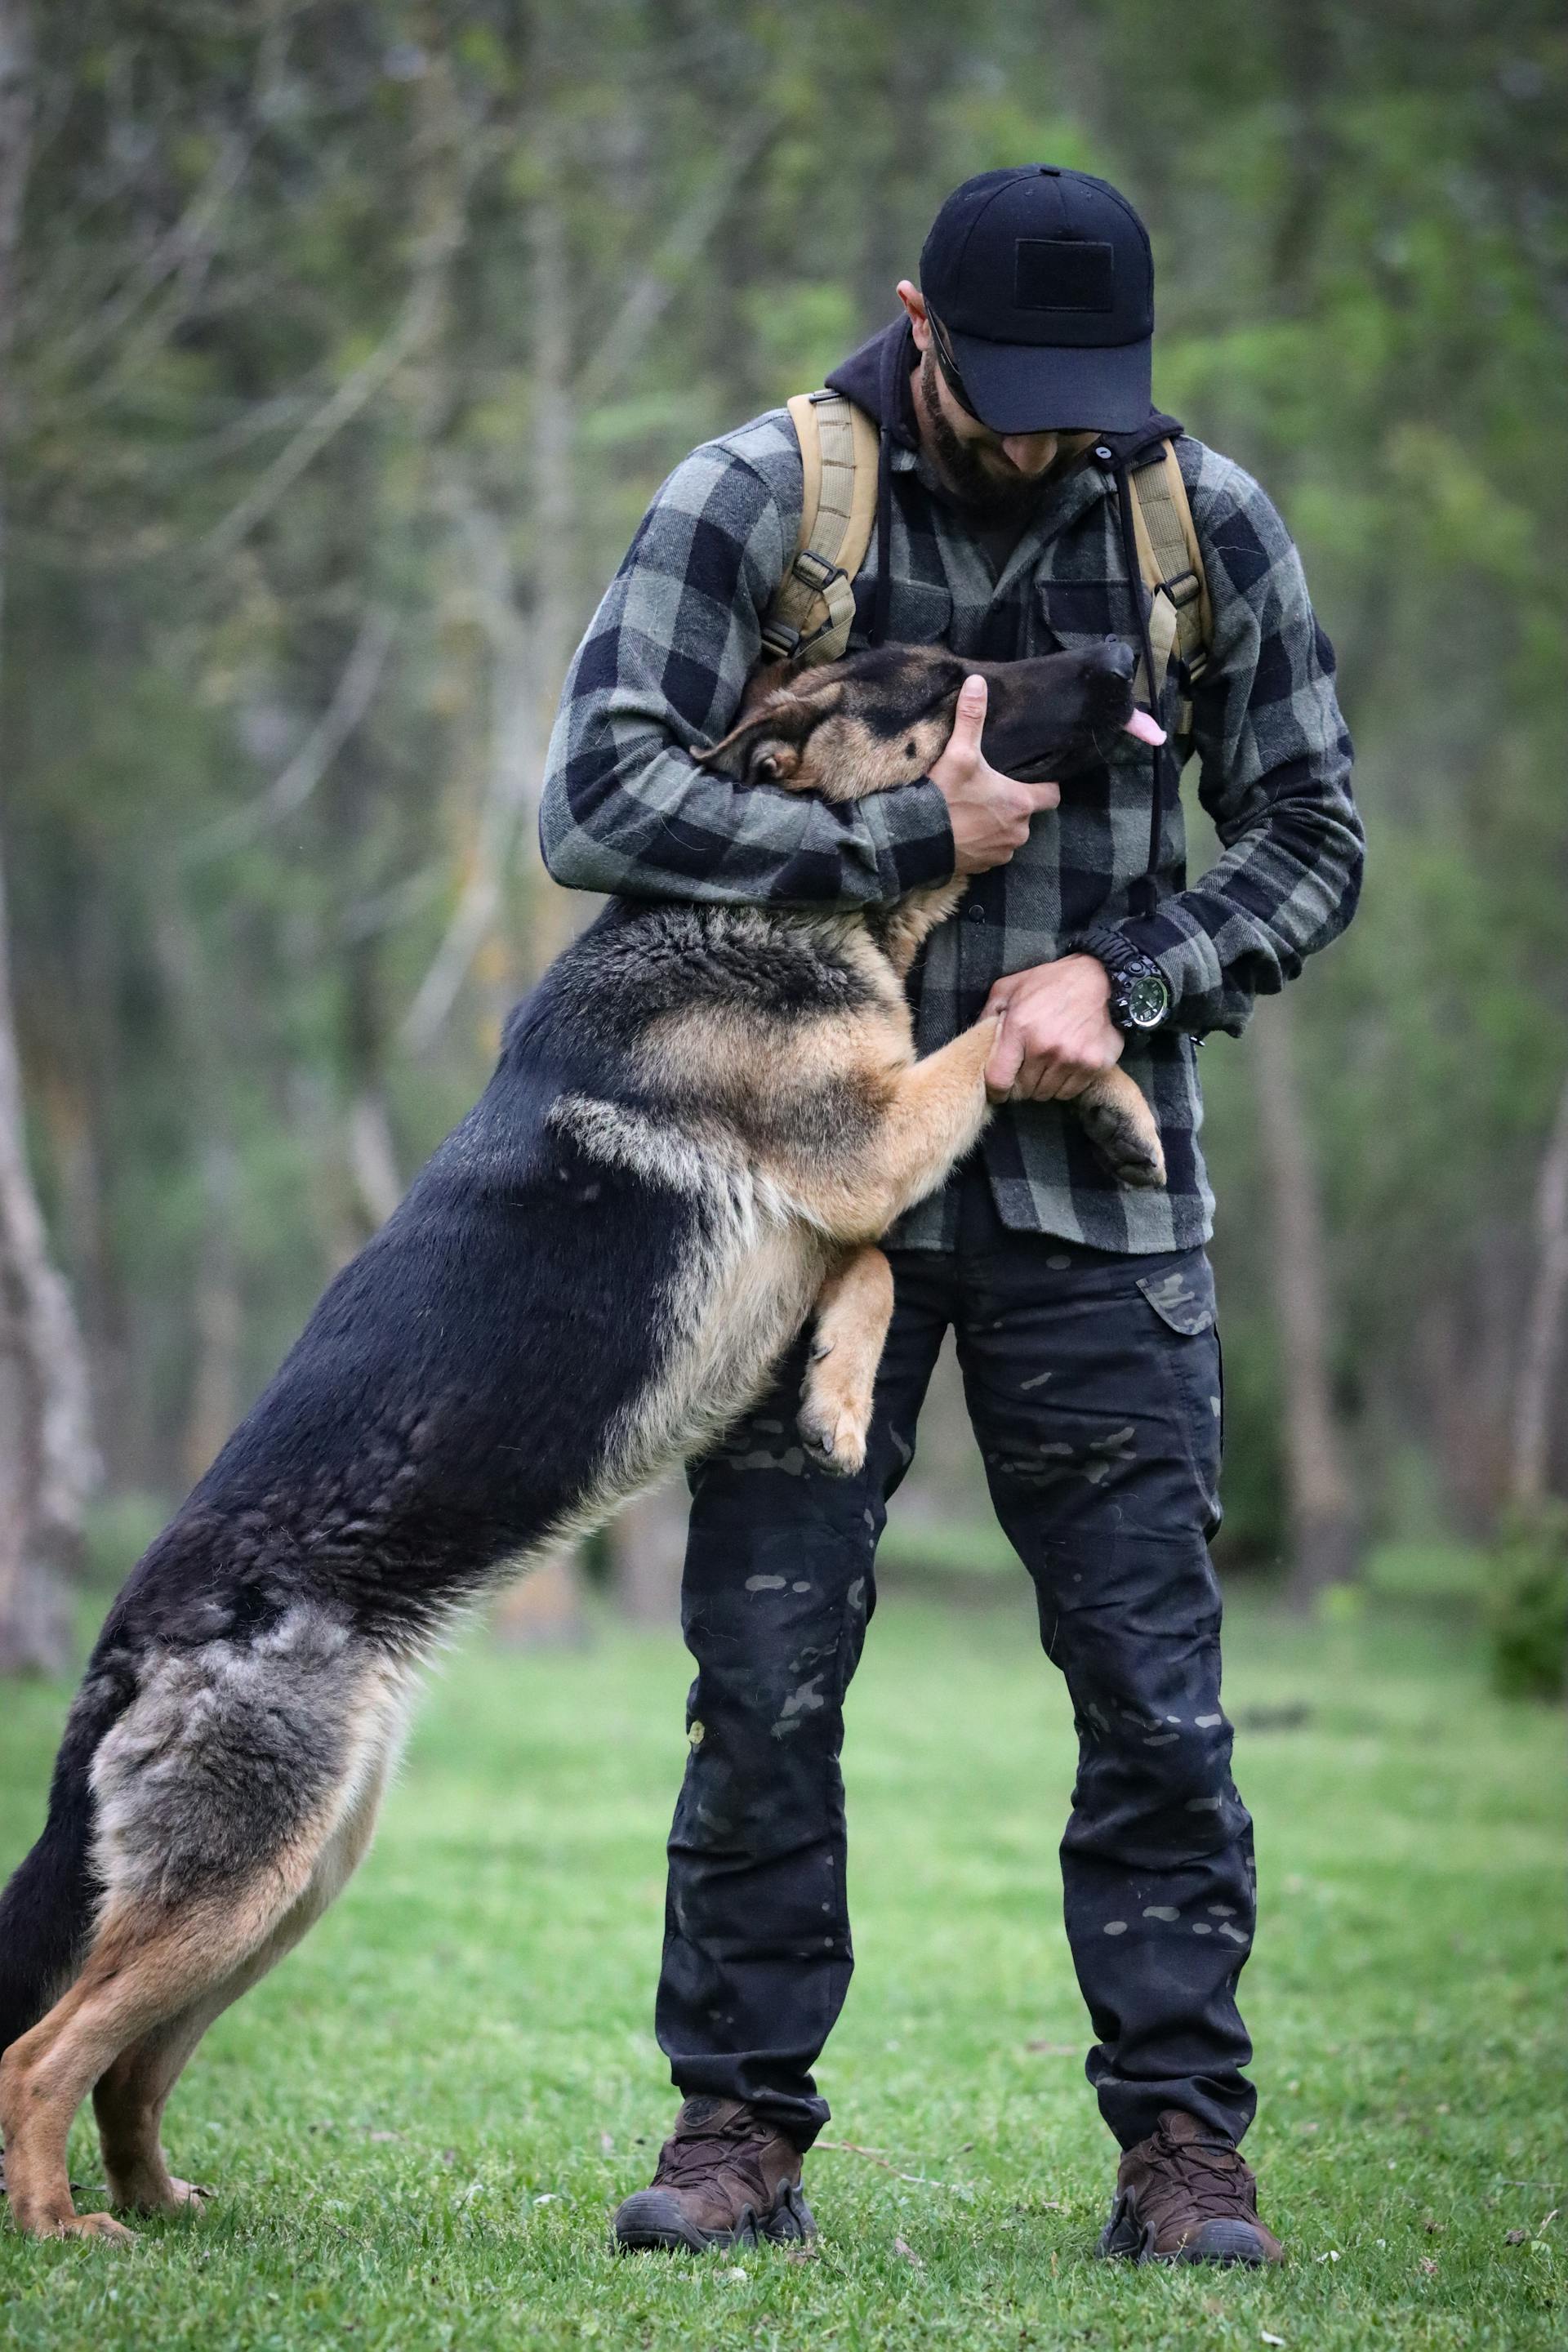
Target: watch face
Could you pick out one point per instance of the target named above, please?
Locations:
(1148, 1001)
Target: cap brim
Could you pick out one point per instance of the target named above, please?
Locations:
(1056, 387)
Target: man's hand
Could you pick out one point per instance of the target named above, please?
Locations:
(1056, 1035)
(990, 811)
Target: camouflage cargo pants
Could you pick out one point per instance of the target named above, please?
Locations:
(1093, 1385)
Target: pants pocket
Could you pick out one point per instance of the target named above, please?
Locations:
(1187, 1341)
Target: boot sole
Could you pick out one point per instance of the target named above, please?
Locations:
(1226, 2244)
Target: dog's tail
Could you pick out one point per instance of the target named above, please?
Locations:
(47, 1910)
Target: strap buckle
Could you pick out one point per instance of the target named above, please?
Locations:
(814, 572)
(1184, 590)
(779, 641)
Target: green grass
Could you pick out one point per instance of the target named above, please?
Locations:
(419, 2125)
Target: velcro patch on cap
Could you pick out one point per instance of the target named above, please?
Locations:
(1064, 273)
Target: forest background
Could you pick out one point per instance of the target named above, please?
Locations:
(341, 345)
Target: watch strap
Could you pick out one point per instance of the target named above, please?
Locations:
(1124, 964)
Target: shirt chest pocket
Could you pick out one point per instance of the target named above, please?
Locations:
(919, 612)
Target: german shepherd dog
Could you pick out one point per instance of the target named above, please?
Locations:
(702, 1120)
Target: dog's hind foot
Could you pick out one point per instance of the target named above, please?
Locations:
(104, 2227)
(175, 2201)
(1119, 1124)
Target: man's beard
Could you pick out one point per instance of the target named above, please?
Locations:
(974, 486)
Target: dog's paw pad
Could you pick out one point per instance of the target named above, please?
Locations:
(1131, 1152)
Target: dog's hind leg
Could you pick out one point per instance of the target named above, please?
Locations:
(854, 1309)
(130, 2098)
(157, 1973)
(147, 1968)
(129, 2101)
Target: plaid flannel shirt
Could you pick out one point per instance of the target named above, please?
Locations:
(660, 672)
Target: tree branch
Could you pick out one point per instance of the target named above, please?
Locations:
(177, 247)
(1532, 1425)
(289, 790)
(651, 294)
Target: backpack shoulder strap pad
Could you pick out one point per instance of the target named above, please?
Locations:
(812, 609)
(1181, 620)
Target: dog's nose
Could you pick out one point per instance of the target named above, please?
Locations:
(1116, 656)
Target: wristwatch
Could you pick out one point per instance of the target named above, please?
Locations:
(1139, 992)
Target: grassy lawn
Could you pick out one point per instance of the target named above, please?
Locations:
(419, 2125)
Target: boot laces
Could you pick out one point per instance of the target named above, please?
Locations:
(693, 2163)
(1203, 2177)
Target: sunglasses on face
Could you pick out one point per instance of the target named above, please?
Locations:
(954, 381)
(948, 367)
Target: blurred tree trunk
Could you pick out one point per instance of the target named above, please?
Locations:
(647, 1552)
(1324, 1543)
(552, 602)
(217, 1310)
(1324, 1539)
(45, 1455)
(1542, 1353)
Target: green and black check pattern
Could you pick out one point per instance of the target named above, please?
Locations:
(659, 674)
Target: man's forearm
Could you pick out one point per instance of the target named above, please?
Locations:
(661, 674)
(628, 813)
(1276, 896)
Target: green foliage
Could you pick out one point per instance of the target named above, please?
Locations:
(417, 2126)
(1528, 1612)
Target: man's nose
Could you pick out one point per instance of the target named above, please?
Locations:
(1031, 452)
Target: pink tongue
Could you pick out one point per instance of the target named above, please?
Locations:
(1147, 729)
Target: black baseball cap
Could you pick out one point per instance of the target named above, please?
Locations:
(1042, 282)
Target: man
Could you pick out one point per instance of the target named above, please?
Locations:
(1011, 396)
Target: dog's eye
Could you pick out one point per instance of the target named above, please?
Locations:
(911, 749)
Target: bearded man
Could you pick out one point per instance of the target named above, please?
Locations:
(1012, 398)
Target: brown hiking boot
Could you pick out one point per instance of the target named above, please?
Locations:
(726, 2177)
(1184, 2195)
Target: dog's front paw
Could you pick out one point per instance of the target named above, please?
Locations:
(1120, 1126)
(833, 1428)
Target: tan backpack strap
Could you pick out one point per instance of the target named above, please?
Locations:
(812, 610)
(1171, 562)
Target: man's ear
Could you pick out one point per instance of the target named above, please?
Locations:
(766, 748)
(914, 303)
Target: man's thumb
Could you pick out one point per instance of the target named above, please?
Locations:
(969, 717)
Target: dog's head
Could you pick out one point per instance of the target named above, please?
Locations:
(850, 728)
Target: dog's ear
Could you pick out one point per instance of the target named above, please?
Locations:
(766, 746)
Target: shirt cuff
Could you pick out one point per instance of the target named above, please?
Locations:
(1186, 952)
(911, 835)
